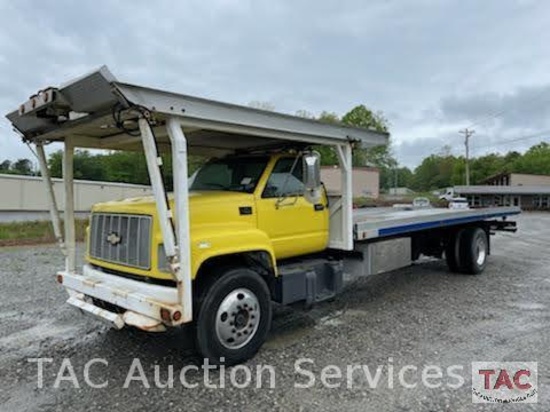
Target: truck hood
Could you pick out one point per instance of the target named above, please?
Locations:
(206, 207)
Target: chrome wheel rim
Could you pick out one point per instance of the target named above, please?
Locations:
(481, 251)
(237, 318)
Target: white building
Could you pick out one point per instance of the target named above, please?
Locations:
(24, 197)
(365, 181)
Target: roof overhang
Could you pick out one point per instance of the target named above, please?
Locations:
(502, 190)
(82, 110)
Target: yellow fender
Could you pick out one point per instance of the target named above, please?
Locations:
(213, 241)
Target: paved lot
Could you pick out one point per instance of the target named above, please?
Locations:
(421, 315)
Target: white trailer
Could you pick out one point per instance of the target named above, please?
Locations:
(97, 111)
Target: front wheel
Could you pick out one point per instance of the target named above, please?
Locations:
(234, 317)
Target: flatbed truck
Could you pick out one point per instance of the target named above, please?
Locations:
(253, 226)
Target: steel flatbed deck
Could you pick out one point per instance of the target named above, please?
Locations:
(372, 223)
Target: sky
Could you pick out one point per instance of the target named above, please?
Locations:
(432, 67)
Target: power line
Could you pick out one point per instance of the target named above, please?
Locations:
(517, 139)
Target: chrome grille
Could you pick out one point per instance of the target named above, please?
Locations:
(122, 239)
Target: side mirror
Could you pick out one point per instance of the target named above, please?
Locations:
(311, 163)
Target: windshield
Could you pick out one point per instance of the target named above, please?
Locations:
(233, 174)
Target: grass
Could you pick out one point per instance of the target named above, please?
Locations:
(25, 233)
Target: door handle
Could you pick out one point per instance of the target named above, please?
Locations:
(318, 207)
(280, 202)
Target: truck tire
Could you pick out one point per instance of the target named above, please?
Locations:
(474, 249)
(234, 317)
(452, 252)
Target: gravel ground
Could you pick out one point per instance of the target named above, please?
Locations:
(422, 315)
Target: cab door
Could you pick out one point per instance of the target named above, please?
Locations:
(295, 226)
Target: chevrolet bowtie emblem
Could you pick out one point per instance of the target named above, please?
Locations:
(113, 238)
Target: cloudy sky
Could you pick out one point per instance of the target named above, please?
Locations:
(431, 66)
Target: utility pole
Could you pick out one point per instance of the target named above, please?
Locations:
(467, 133)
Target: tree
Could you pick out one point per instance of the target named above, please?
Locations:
(378, 156)
(328, 156)
(459, 172)
(85, 165)
(129, 167)
(88, 167)
(510, 158)
(434, 172)
(117, 166)
(404, 177)
(329, 117)
(485, 166)
(5, 166)
(22, 167)
(536, 160)
(362, 117)
(55, 164)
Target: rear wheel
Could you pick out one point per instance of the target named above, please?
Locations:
(452, 252)
(474, 249)
(234, 317)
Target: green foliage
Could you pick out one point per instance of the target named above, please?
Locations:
(379, 156)
(403, 177)
(22, 167)
(5, 166)
(116, 166)
(536, 160)
(484, 166)
(328, 156)
(434, 172)
(329, 117)
(19, 167)
(130, 167)
(443, 170)
(86, 165)
(360, 116)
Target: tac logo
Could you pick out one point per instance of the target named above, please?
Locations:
(504, 382)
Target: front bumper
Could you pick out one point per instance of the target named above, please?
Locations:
(147, 306)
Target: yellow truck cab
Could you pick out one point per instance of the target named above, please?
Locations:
(257, 199)
(253, 226)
